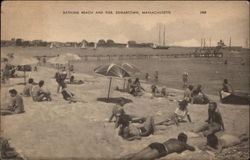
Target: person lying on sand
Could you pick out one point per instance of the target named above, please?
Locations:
(39, 94)
(15, 105)
(179, 115)
(27, 91)
(130, 132)
(198, 97)
(69, 96)
(73, 81)
(214, 121)
(158, 150)
(216, 144)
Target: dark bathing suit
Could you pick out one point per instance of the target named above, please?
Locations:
(143, 130)
(170, 146)
(160, 148)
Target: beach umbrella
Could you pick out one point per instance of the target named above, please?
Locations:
(64, 59)
(131, 69)
(111, 70)
(23, 61)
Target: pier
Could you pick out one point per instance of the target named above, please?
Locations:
(110, 57)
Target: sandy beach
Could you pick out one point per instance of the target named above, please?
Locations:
(57, 129)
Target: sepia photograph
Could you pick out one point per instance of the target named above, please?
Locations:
(117, 80)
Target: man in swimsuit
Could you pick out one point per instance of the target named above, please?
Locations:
(39, 94)
(15, 105)
(214, 122)
(27, 91)
(158, 150)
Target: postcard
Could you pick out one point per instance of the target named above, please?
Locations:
(130, 80)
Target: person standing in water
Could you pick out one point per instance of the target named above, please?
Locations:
(185, 80)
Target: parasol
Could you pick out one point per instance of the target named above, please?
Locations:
(131, 69)
(23, 61)
(111, 70)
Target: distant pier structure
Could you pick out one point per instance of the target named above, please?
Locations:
(109, 57)
(151, 56)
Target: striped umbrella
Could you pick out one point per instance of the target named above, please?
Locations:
(111, 70)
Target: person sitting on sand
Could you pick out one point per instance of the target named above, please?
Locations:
(226, 87)
(156, 93)
(217, 144)
(129, 85)
(69, 96)
(7, 152)
(214, 121)
(158, 150)
(130, 132)
(188, 93)
(226, 90)
(118, 110)
(39, 94)
(27, 91)
(198, 97)
(163, 91)
(136, 88)
(179, 115)
(154, 89)
(15, 104)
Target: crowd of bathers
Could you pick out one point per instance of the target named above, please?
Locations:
(146, 126)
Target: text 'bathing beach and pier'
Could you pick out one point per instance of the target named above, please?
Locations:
(117, 12)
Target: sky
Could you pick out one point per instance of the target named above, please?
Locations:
(185, 25)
